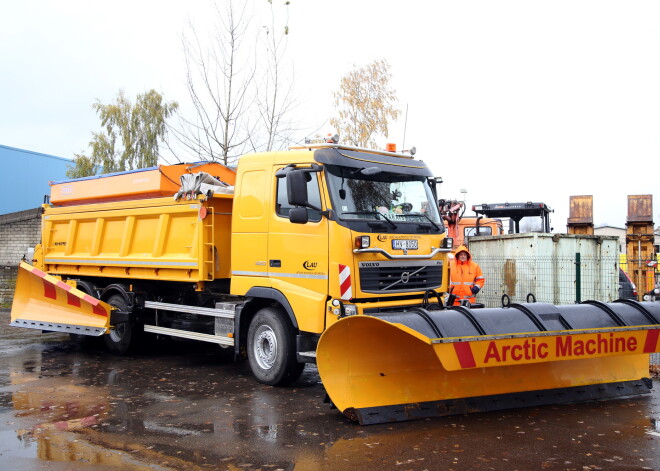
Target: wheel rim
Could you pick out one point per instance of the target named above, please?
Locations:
(265, 347)
(117, 334)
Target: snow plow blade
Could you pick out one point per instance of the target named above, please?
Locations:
(44, 302)
(415, 364)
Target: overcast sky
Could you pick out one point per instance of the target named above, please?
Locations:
(509, 100)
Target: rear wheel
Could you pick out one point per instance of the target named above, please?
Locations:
(272, 348)
(123, 337)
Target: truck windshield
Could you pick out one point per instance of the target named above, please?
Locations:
(383, 196)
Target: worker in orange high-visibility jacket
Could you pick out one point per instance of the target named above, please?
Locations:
(466, 276)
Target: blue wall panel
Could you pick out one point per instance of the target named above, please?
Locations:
(24, 177)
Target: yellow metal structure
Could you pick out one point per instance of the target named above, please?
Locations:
(375, 371)
(640, 242)
(156, 239)
(580, 219)
(45, 302)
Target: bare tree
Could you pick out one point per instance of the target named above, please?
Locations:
(240, 96)
(365, 103)
(275, 97)
(219, 78)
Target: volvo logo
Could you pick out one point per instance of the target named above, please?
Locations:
(307, 265)
(405, 277)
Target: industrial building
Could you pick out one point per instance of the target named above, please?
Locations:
(25, 176)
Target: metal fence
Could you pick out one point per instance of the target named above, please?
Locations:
(555, 280)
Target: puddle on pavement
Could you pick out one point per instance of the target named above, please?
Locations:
(190, 408)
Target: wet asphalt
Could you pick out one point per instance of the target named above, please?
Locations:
(187, 406)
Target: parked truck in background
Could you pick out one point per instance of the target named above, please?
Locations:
(460, 227)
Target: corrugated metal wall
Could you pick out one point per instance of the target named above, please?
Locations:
(24, 177)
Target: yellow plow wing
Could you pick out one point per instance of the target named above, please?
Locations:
(376, 370)
(44, 302)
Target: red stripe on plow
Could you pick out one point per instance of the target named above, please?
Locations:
(49, 289)
(651, 341)
(72, 300)
(464, 354)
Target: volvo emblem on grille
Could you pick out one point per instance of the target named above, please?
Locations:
(405, 277)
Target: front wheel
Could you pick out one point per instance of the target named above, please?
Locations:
(272, 348)
(123, 338)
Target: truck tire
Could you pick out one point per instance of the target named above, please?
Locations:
(85, 341)
(123, 338)
(271, 348)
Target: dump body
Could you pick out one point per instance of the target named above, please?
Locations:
(146, 239)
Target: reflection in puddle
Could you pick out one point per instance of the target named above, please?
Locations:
(73, 409)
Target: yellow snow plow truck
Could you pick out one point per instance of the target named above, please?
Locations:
(325, 254)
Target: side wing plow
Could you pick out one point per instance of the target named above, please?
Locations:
(44, 302)
(406, 365)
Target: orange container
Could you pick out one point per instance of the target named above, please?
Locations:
(153, 182)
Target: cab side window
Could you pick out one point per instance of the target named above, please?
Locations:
(313, 195)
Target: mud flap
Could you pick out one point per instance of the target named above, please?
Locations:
(376, 371)
(44, 302)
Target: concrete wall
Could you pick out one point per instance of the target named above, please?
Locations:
(18, 232)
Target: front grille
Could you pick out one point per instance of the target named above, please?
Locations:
(399, 277)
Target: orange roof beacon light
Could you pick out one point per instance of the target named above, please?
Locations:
(390, 147)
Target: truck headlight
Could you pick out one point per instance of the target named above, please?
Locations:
(362, 242)
(350, 309)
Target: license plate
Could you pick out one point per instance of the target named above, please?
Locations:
(404, 244)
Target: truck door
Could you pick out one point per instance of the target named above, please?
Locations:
(298, 256)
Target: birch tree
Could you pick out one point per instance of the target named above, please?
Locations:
(131, 135)
(364, 104)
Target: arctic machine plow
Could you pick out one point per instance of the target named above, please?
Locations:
(416, 364)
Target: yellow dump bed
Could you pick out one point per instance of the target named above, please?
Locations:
(146, 239)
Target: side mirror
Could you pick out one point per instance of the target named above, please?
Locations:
(296, 188)
(298, 215)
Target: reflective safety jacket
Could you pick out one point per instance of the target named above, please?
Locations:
(465, 275)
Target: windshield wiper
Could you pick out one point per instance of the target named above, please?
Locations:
(372, 212)
(423, 215)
